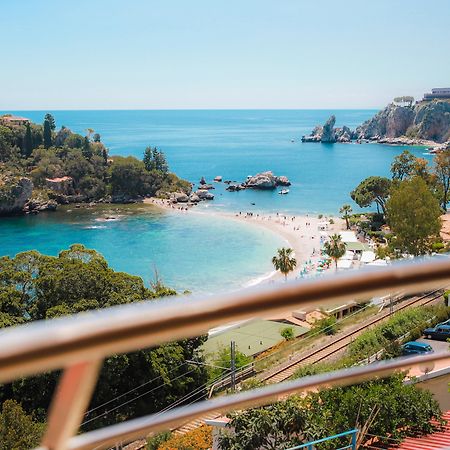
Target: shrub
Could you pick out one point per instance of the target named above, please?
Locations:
(154, 442)
(198, 439)
(287, 333)
(327, 325)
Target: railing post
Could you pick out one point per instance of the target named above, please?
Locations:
(69, 403)
(354, 439)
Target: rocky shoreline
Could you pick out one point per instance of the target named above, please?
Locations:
(423, 124)
(17, 195)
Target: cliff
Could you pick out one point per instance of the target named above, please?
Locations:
(423, 123)
(427, 121)
(14, 193)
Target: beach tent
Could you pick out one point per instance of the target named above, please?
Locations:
(368, 256)
(344, 264)
(348, 255)
(348, 236)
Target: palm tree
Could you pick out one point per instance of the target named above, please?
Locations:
(284, 262)
(335, 248)
(346, 210)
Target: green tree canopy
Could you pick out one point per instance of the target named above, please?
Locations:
(335, 248)
(51, 120)
(284, 261)
(387, 407)
(27, 142)
(442, 172)
(18, 430)
(47, 134)
(346, 210)
(413, 213)
(35, 287)
(155, 160)
(370, 190)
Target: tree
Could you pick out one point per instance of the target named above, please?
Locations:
(401, 409)
(51, 120)
(47, 134)
(96, 137)
(18, 430)
(346, 210)
(287, 333)
(284, 262)
(87, 150)
(37, 287)
(442, 172)
(372, 189)
(27, 142)
(155, 160)
(413, 214)
(403, 165)
(129, 177)
(335, 248)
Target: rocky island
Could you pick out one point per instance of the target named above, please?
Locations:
(263, 181)
(426, 122)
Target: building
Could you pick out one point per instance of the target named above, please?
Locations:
(437, 93)
(14, 120)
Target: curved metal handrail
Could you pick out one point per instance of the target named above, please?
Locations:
(80, 343)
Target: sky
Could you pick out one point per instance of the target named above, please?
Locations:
(214, 54)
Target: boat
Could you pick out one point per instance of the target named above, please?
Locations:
(284, 191)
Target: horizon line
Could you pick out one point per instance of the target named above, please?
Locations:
(191, 109)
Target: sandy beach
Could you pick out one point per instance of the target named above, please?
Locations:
(301, 232)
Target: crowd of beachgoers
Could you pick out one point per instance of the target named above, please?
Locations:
(305, 234)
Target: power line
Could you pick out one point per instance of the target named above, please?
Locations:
(132, 390)
(136, 398)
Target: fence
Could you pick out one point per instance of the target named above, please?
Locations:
(80, 343)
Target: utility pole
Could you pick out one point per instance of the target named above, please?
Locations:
(233, 365)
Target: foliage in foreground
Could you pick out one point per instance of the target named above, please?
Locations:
(396, 409)
(35, 287)
(18, 430)
(198, 439)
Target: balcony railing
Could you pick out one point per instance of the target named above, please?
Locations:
(80, 343)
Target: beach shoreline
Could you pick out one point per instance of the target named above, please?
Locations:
(300, 232)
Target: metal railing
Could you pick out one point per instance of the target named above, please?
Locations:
(310, 445)
(79, 344)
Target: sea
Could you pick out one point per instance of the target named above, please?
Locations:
(205, 253)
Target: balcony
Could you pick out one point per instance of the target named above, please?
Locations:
(79, 344)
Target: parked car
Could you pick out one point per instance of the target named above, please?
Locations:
(416, 348)
(439, 332)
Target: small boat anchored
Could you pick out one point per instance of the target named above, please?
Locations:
(284, 191)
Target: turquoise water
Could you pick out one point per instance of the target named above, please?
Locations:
(197, 253)
(237, 143)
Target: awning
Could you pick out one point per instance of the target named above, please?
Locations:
(368, 256)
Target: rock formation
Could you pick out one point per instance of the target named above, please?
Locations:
(426, 121)
(263, 180)
(328, 134)
(15, 192)
(395, 124)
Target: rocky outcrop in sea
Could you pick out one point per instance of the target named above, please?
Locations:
(263, 180)
(327, 133)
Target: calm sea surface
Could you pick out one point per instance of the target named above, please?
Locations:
(198, 253)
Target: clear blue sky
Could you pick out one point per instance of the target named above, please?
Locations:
(149, 54)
